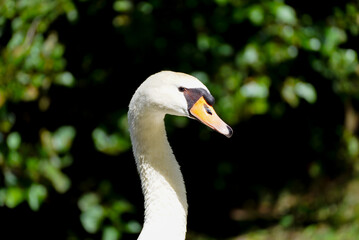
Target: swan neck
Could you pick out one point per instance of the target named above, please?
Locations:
(161, 179)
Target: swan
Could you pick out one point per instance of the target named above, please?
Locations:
(162, 183)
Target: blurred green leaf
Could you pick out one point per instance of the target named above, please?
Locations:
(98, 210)
(88, 200)
(122, 5)
(59, 180)
(66, 79)
(110, 233)
(36, 195)
(133, 227)
(13, 140)
(62, 138)
(110, 143)
(287, 221)
(285, 14)
(256, 15)
(122, 206)
(10, 178)
(14, 158)
(306, 91)
(14, 196)
(353, 145)
(250, 56)
(255, 89)
(92, 218)
(333, 37)
(294, 89)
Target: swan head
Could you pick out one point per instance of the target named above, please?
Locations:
(180, 94)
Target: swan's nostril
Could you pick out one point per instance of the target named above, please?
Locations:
(208, 110)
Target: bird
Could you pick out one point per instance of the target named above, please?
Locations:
(163, 188)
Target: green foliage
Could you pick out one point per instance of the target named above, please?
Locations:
(30, 61)
(115, 143)
(321, 232)
(29, 170)
(96, 209)
(33, 58)
(294, 89)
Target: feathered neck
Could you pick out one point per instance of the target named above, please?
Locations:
(162, 182)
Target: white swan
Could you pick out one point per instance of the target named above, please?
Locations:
(162, 182)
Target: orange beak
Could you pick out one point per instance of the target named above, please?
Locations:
(206, 114)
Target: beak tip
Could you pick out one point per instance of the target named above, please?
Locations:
(230, 132)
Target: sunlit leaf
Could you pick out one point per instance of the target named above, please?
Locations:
(91, 219)
(36, 195)
(294, 89)
(286, 14)
(110, 233)
(14, 159)
(133, 227)
(306, 91)
(13, 140)
(250, 55)
(288, 93)
(314, 44)
(66, 79)
(255, 90)
(88, 200)
(110, 143)
(333, 37)
(122, 5)
(62, 138)
(16, 40)
(353, 145)
(59, 180)
(258, 106)
(256, 14)
(14, 196)
(10, 178)
(122, 206)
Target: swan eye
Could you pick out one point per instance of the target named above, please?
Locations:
(181, 89)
